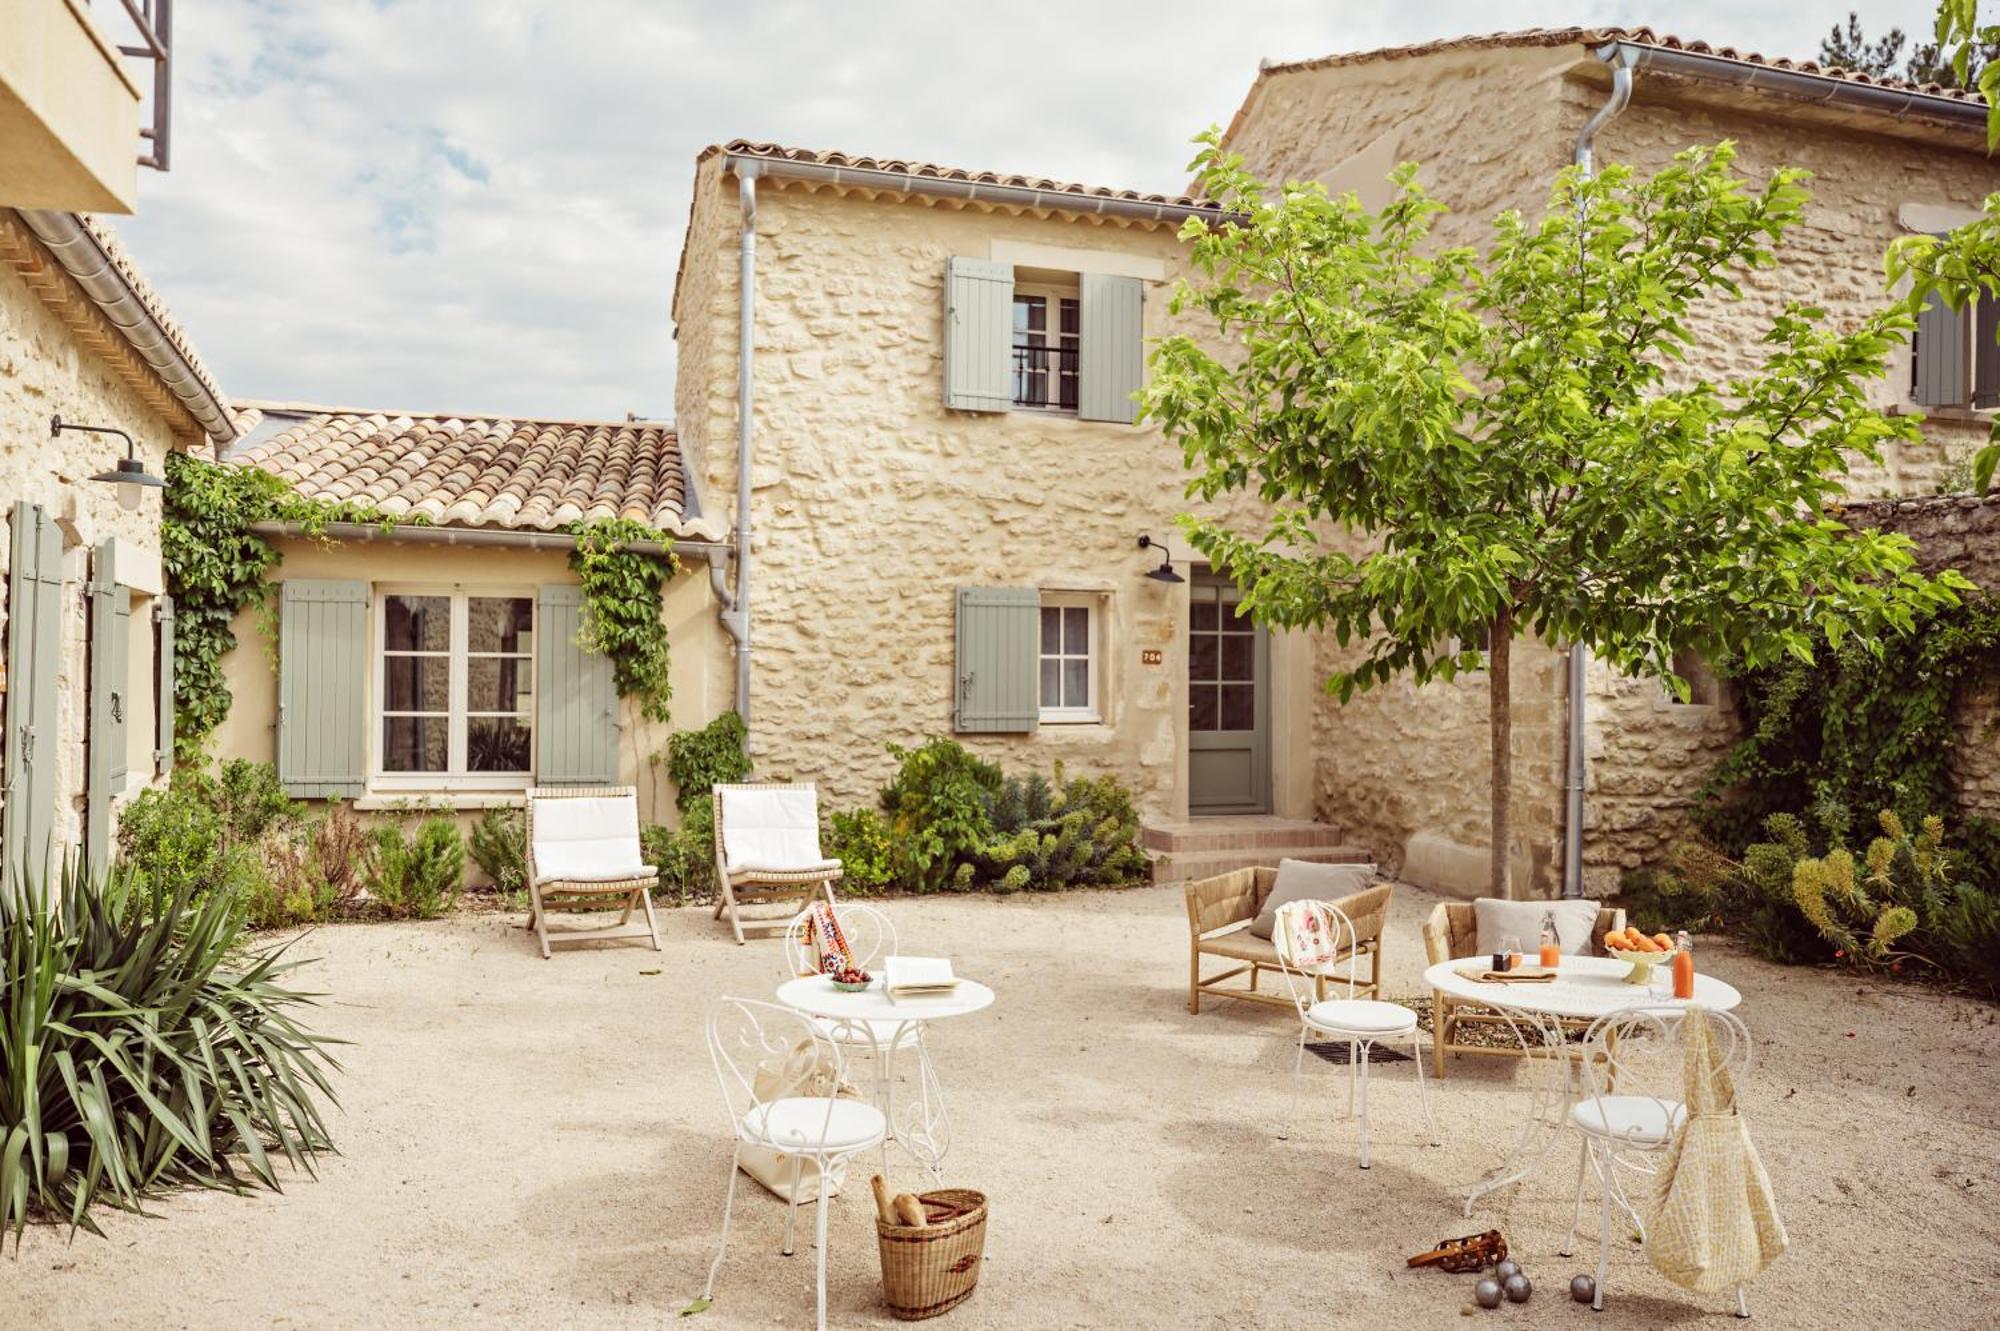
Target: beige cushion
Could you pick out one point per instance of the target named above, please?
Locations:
(1496, 919)
(1302, 880)
(1241, 945)
(588, 839)
(772, 829)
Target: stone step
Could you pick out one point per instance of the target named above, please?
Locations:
(1180, 866)
(1203, 835)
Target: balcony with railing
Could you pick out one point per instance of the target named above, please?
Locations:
(1045, 377)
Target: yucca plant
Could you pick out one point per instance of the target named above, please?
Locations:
(141, 1046)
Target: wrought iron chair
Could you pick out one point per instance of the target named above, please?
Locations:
(1316, 944)
(780, 1080)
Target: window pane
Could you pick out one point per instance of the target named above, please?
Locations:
(1076, 682)
(1031, 314)
(1202, 656)
(417, 623)
(1202, 613)
(1076, 630)
(497, 684)
(1239, 707)
(1051, 682)
(416, 683)
(1201, 707)
(414, 743)
(1238, 653)
(1069, 317)
(1051, 630)
(500, 624)
(496, 744)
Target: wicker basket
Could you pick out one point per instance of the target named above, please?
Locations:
(932, 1270)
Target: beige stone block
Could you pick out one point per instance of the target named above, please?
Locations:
(1443, 865)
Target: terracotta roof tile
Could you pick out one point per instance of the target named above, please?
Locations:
(466, 471)
(930, 170)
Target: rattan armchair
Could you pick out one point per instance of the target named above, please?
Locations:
(1220, 910)
(1451, 934)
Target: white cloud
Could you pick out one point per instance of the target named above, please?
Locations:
(479, 206)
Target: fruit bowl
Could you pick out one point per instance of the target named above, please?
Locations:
(1641, 959)
(851, 982)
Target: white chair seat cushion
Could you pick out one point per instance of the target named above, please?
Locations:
(587, 839)
(550, 870)
(868, 1034)
(774, 829)
(798, 1123)
(808, 866)
(1633, 1118)
(1364, 1016)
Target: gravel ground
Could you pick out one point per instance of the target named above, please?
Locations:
(541, 1143)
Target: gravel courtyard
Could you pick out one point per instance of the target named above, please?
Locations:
(542, 1143)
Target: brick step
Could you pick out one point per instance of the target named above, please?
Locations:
(1196, 836)
(1180, 866)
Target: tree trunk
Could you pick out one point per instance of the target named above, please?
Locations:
(1500, 716)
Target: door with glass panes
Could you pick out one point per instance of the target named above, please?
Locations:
(1229, 702)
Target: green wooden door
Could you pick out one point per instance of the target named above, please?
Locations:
(1229, 703)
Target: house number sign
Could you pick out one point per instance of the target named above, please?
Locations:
(1151, 656)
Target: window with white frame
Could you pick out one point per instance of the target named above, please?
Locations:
(1069, 656)
(454, 687)
(1048, 334)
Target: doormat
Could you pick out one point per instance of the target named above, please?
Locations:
(1342, 1052)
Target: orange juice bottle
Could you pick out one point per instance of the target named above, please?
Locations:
(1683, 966)
(1551, 942)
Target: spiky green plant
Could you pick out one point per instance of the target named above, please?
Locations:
(141, 1047)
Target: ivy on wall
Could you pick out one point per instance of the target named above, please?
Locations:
(621, 607)
(216, 567)
(1862, 731)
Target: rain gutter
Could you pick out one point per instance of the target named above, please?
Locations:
(711, 551)
(86, 261)
(735, 613)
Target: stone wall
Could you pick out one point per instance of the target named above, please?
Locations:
(47, 370)
(873, 504)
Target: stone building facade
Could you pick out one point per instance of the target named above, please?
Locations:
(873, 501)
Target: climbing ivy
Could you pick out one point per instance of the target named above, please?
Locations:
(217, 566)
(1859, 730)
(621, 607)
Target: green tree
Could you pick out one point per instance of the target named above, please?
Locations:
(1456, 445)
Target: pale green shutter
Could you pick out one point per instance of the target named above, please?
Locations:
(34, 666)
(978, 335)
(1986, 352)
(108, 742)
(576, 704)
(1112, 362)
(998, 660)
(322, 687)
(163, 680)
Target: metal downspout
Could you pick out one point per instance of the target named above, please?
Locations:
(736, 617)
(1621, 59)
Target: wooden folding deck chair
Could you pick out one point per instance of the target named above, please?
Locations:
(767, 850)
(583, 854)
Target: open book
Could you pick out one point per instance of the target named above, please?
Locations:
(918, 977)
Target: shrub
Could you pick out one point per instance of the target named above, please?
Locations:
(1052, 835)
(859, 839)
(1659, 902)
(499, 846)
(936, 808)
(142, 1047)
(700, 759)
(202, 831)
(685, 856)
(310, 872)
(419, 877)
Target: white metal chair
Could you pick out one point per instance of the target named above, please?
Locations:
(1316, 943)
(767, 849)
(583, 853)
(1631, 1058)
(799, 1114)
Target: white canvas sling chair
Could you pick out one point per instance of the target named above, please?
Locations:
(767, 850)
(583, 854)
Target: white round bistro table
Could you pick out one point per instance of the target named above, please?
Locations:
(1542, 1017)
(870, 1017)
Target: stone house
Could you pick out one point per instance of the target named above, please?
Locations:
(892, 415)
(88, 627)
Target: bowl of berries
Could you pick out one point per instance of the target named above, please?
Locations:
(851, 980)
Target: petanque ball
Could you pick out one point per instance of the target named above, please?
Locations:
(1507, 1267)
(1487, 1293)
(1582, 1288)
(1518, 1288)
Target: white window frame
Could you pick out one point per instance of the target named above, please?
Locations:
(455, 776)
(1092, 713)
(1053, 295)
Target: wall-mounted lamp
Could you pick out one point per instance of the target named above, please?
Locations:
(1165, 572)
(130, 475)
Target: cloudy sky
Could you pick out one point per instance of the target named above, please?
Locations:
(477, 205)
